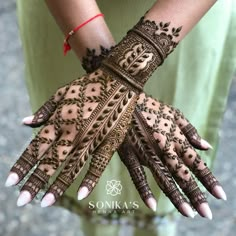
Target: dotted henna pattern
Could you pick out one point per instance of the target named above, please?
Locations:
(159, 142)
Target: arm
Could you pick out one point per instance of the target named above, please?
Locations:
(69, 14)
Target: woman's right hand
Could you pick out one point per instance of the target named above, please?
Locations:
(163, 140)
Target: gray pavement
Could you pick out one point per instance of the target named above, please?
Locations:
(32, 220)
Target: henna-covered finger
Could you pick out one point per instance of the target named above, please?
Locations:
(168, 186)
(47, 166)
(190, 131)
(201, 171)
(210, 183)
(100, 160)
(137, 173)
(43, 114)
(33, 153)
(187, 183)
(66, 177)
(103, 155)
(146, 150)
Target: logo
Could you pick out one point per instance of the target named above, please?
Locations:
(113, 187)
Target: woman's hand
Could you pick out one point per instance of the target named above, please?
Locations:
(89, 116)
(163, 140)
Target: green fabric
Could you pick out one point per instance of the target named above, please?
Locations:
(195, 78)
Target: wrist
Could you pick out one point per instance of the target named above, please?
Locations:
(142, 50)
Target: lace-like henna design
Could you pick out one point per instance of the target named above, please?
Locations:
(135, 169)
(121, 101)
(207, 178)
(143, 49)
(48, 108)
(105, 151)
(155, 131)
(90, 63)
(191, 132)
(38, 179)
(145, 150)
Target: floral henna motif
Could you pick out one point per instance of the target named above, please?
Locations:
(93, 60)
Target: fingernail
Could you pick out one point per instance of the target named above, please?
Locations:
(23, 199)
(48, 200)
(28, 120)
(152, 203)
(205, 144)
(12, 179)
(83, 193)
(205, 211)
(186, 210)
(219, 192)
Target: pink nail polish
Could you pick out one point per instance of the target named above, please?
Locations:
(24, 198)
(205, 144)
(28, 120)
(186, 210)
(83, 193)
(218, 192)
(152, 203)
(12, 179)
(48, 200)
(205, 211)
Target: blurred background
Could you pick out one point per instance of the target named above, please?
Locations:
(34, 221)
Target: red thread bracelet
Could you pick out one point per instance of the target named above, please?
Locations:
(66, 45)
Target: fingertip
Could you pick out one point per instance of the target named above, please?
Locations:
(205, 144)
(186, 210)
(83, 193)
(152, 203)
(24, 198)
(12, 179)
(48, 200)
(27, 120)
(205, 211)
(218, 192)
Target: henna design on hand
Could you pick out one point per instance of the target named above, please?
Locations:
(158, 140)
(93, 60)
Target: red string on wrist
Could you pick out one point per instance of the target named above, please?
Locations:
(66, 45)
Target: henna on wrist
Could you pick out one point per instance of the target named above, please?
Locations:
(92, 60)
(142, 50)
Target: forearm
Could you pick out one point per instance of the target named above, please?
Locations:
(185, 13)
(71, 13)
